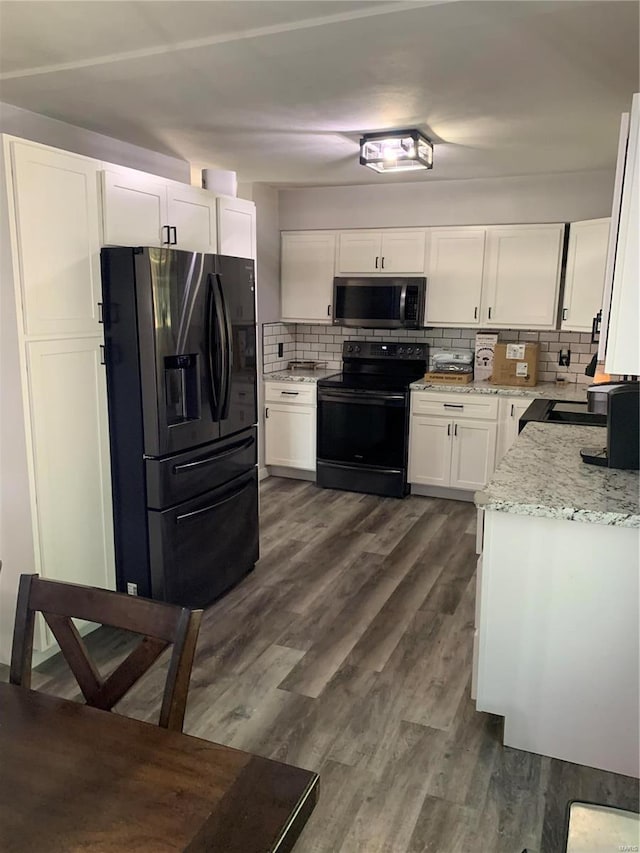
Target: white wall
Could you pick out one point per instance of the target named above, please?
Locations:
(484, 201)
(50, 131)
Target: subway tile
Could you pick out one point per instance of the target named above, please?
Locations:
(585, 337)
(549, 336)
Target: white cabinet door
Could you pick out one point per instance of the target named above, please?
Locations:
(623, 342)
(71, 461)
(403, 252)
(306, 276)
(511, 410)
(584, 279)
(474, 454)
(454, 277)
(359, 252)
(134, 209)
(522, 275)
(192, 212)
(430, 441)
(58, 237)
(236, 227)
(290, 436)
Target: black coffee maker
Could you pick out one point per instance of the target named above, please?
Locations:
(620, 401)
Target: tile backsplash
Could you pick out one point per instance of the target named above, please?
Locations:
(324, 343)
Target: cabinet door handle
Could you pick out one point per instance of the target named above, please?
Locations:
(328, 310)
(166, 242)
(382, 263)
(376, 262)
(102, 354)
(489, 313)
(475, 313)
(100, 313)
(266, 412)
(448, 429)
(565, 313)
(174, 242)
(455, 430)
(512, 408)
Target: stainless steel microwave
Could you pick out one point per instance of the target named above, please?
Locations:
(379, 303)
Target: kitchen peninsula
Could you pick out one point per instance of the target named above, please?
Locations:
(557, 645)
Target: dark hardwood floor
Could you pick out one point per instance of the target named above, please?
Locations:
(348, 651)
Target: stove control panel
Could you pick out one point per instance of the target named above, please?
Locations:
(380, 349)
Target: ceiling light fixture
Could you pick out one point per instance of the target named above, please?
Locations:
(396, 151)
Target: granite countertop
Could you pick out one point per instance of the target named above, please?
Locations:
(547, 390)
(311, 376)
(543, 475)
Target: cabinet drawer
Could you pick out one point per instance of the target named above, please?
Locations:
(455, 405)
(290, 392)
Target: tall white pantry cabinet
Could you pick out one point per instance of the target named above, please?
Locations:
(55, 509)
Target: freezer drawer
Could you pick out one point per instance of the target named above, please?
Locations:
(186, 475)
(203, 546)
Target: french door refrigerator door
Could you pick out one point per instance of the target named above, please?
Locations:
(235, 339)
(203, 546)
(173, 294)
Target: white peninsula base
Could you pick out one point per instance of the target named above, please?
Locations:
(558, 635)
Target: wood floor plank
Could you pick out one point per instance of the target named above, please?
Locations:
(348, 651)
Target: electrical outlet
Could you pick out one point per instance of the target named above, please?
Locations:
(280, 350)
(132, 589)
(564, 359)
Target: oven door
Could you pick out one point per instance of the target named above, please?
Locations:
(362, 428)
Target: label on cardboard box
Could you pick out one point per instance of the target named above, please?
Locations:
(516, 351)
(522, 368)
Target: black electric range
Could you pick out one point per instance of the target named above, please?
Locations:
(363, 417)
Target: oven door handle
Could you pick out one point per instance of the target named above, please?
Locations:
(403, 303)
(397, 400)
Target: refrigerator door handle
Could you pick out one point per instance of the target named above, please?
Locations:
(187, 516)
(230, 451)
(225, 396)
(211, 343)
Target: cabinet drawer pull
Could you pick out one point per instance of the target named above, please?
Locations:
(290, 393)
(453, 405)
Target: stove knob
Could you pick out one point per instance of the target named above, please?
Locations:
(357, 348)
(400, 350)
(409, 350)
(350, 348)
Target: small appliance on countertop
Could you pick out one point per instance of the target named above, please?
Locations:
(619, 403)
(560, 412)
(301, 364)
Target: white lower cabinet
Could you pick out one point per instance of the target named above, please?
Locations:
(510, 411)
(457, 453)
(290, 425)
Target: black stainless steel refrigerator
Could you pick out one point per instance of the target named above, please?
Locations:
(180, 354)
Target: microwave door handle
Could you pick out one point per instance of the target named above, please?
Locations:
(403, 303)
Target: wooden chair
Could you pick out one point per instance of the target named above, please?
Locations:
(160, 624)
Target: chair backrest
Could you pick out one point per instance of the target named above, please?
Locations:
(160, 624)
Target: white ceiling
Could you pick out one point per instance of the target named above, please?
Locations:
(280, 91)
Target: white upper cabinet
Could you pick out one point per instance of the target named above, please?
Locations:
(236, 227)
(584, 279)
(58, 239)
(454, 276)
(306, 275)
(191, 211)
(390, 251)
(522, 276)
(623, 341)
(139, 209)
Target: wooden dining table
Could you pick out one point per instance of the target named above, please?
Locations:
(74, 778)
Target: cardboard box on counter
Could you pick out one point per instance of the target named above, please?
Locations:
(483, 361)
(515, 364)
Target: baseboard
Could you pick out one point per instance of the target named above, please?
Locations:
(263, 473)
(442, 492)
(292, 473)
